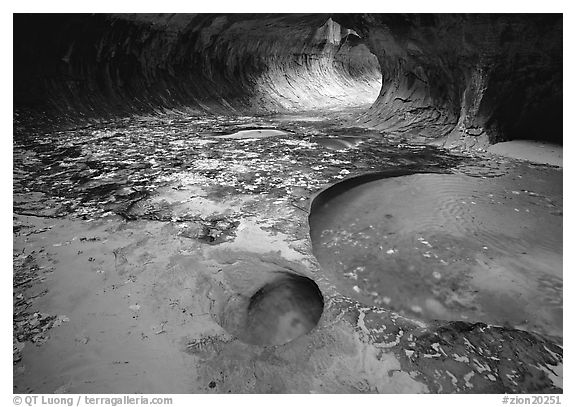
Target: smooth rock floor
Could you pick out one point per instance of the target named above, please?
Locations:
(139, 243)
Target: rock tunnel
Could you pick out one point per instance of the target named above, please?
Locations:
(497, 76)
(287, 203)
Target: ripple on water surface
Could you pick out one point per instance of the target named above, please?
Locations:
(254, 133)
(437, 246)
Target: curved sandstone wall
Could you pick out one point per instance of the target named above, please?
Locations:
(474, 76)
(465, 79)
(99, 65)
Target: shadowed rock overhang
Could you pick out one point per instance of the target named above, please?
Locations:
(478, 77)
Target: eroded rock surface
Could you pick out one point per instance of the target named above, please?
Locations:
(95, 66)
(155, 270)
(468, 79)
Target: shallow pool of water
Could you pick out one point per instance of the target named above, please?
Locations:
(447, 246)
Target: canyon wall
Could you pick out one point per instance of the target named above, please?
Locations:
(75, 66)
(467, 76)
(460, 79)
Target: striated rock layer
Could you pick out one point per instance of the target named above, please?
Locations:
(497, 76)
(467, 79)
(100, 65)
